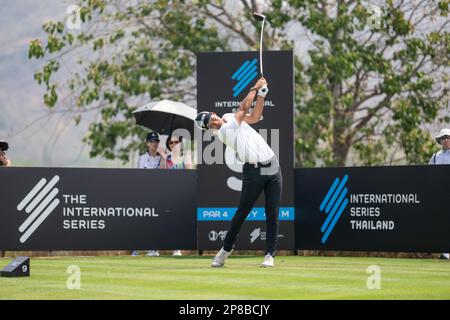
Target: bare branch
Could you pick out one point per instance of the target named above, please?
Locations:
(247, 39)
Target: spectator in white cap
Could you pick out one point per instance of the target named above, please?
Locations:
(442, 157)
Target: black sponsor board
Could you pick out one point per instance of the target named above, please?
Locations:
(223, 80)
(97, 209)
(401, 208)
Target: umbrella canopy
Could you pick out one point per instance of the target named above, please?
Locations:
(166, 116)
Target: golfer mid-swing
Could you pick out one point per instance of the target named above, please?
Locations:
(261, 169)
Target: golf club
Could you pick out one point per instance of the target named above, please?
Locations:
(260, 17)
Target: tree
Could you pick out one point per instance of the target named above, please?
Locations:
(368, 87)
(375, 79)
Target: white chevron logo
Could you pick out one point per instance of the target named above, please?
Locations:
(40, 202)
(255, 234)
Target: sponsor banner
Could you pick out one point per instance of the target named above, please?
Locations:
(373, 208)
(251, 237)
(223, 80)
(97, 209)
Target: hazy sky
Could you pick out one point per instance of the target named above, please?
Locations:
(53, 140)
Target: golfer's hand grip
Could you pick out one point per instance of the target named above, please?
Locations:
(263, 91)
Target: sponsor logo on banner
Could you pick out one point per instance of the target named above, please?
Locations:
(261, 235)
(42, 201)
(257, 233)
(244, 75)
(363, 209)
(214, 235)
(333, 205)
(39, 203)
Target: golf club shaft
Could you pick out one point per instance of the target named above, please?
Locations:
(260, 49)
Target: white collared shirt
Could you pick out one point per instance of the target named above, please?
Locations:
(146, 161)
(441, 157)
(248, 144)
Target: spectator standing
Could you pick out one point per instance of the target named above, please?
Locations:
(442, 157)
(154, 158)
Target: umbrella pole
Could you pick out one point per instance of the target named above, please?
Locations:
(171, 125)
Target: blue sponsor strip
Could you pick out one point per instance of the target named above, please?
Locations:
(247, 70)
(240, 69)
(336, 218)
(253, 76)
(333, 211)
(330, 192)
(257, 214)
(336, 194)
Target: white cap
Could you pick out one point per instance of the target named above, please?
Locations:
(443, 132)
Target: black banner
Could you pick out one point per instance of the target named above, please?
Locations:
(366, 209)
(223, 80)
(97, 209)
(402, 208)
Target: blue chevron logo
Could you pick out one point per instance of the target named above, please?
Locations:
(334, 205)
(244, 75)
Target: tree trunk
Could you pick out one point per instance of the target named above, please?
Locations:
(341, 141)
(341, 145)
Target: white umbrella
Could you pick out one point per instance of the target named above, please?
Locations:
(165, 116)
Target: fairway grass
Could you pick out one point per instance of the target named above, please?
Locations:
(191, 277)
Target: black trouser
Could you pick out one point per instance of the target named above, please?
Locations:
(257, 179)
